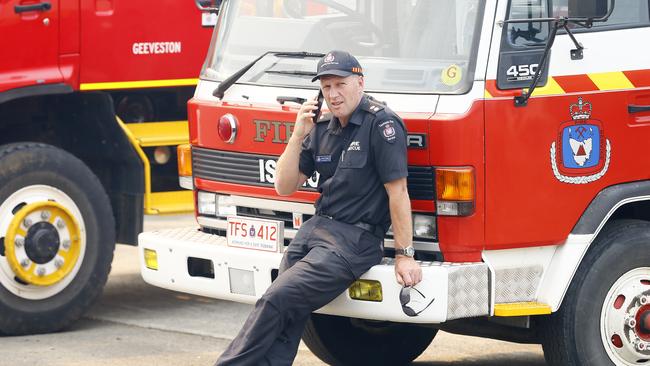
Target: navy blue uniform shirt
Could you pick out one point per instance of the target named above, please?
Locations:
(354, 162)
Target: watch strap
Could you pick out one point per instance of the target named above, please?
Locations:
(408, 251)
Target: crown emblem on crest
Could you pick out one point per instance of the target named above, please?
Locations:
(580, 110)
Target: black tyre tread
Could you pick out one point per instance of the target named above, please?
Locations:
(557, 332)
(59, 319)
(315, 344)
(413, 340)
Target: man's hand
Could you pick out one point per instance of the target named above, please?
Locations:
(304, 120)
(407, 271)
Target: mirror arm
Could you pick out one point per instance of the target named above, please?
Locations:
(576, 54)
(522, 100)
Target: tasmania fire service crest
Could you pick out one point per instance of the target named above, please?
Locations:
(581, 153)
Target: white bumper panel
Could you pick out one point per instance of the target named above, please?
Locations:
(460, 290)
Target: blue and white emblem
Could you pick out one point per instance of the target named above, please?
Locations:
(581, 146)
(584, 152)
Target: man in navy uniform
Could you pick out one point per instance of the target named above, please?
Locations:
(359, 150)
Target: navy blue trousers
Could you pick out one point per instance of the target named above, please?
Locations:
(321, 262)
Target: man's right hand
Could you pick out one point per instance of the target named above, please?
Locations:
(304, 120)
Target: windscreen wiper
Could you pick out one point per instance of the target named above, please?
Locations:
(297, 73)
(229, 81)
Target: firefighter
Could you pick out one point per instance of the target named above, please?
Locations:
(360, 152)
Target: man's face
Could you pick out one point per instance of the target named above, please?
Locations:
(342, 94)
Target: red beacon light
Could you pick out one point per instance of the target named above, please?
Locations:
(227, 128)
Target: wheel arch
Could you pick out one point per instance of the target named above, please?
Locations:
(622, 201)
(84, 125)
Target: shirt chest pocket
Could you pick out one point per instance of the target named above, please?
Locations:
(354, 159)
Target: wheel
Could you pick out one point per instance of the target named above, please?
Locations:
(605, 316)
(57, 236)
(347, 341)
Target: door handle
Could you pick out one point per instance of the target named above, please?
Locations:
(638, 108)
(44, 6)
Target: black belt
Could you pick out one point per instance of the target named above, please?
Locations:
(376, 230)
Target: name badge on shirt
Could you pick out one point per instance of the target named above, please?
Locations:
(323, 158)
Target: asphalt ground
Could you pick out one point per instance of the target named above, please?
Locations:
(136, 324)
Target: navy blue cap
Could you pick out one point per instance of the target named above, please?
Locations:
(338, 63)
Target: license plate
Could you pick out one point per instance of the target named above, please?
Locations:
(252, 233)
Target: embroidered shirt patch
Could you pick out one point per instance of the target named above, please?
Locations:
(387, 130)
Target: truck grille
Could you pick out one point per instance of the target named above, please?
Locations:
(245, 168)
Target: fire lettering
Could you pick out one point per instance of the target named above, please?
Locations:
(280, 132)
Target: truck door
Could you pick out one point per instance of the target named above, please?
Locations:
(578, 133)
(30, 43)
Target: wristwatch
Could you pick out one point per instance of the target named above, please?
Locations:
(408, 251)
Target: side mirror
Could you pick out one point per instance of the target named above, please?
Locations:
(590, 9)
(211, 6)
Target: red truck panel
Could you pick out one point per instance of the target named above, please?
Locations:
(30, 45)
(99, 41)
(123, 40)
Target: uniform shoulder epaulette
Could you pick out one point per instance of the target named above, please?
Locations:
(374, 106)
(324, 117)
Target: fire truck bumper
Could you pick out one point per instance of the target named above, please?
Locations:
(190, 261)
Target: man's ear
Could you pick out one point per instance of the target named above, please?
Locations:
(362, 82)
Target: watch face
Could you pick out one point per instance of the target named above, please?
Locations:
(408, 251)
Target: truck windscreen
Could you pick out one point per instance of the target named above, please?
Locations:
(414, 46)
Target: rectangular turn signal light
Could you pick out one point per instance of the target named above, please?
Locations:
(455, 184)
(184, 153)
(151, 259)
(366, 290)
(455, 191)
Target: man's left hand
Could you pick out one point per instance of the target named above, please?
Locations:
(407, 271)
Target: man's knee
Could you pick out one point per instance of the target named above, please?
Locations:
(287, 297)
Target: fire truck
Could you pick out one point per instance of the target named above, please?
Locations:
(92, 105)
(527, 126)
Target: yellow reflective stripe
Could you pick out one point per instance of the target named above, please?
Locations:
(611, 81)
(521, 309)
(551, 88)
(138, 84)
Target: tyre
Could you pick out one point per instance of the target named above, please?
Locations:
(346, 341)
(57, 236)
(605, 316)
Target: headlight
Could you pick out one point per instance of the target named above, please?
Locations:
(424, 226)
(225, 207)
(207, 203)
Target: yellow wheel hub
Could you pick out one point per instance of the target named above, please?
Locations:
(42, 244)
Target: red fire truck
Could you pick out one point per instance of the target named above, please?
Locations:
(527, 125)
(92, 103)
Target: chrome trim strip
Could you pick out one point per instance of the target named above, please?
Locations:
(267, 204)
